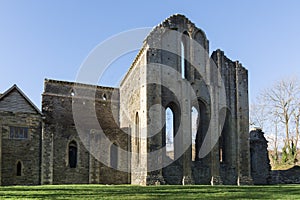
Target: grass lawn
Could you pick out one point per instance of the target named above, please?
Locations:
(150, 192)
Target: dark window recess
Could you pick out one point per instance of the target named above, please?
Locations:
(18, 132)
(19, 168)
(73, 154)
(114, 156)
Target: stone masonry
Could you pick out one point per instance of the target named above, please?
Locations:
(260, 162)
(63, 143)
(20, 157)
(157, 77)
(59, 130)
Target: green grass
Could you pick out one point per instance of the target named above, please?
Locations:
(86, 192)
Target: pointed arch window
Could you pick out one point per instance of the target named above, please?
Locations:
(226, 139)
(182, 52)
(184, 44)
(137, 136)
(195, 124)
(73, 154)
(19, 169)
(170, 132)
(221, 149)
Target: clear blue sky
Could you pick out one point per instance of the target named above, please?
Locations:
(51, 39)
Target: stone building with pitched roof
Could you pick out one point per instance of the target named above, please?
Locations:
(173, 72)
(21, 139)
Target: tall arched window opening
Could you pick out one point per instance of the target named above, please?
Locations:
(19, 169)
(182, 53)
(73, 154)
(195, 124)
(221, 149)
(203, 126)
(184, 46)
(225, 140)
(137, 136)
(170, 133)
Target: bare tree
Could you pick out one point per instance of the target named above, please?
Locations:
(297, 123)
(281, 97)
(277, 111)
(273, 140)
(259, 113)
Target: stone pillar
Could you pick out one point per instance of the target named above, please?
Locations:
(244, 176)
(215, 167)
(96, 151)
(186, 128)
(155, 177)
(215, 128)
(129, 157)
(94, 170)
(154, 100)
(47, 155)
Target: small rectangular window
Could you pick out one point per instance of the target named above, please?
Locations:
(18, 132)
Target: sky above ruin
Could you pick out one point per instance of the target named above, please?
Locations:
(51, 39)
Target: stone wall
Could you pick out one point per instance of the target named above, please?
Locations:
(26, 151)
(289, 176)
(104, 124)
(172, 84)
(234, 140)
(133, 116)
(59, 100)
(260, 163)
(20, 139)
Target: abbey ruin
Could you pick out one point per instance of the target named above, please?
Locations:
(93, 134)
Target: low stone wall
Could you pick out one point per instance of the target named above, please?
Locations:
(289, 176)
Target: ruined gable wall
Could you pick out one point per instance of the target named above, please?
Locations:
(173, 89)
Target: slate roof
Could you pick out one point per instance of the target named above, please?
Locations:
(16, 88)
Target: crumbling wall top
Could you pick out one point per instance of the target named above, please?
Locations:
(220, 54)
(171, 23)
(79, 90)
(257, 135)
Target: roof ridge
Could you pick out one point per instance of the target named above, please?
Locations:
(15, 87)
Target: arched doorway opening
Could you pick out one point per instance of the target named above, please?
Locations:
(195, 125)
